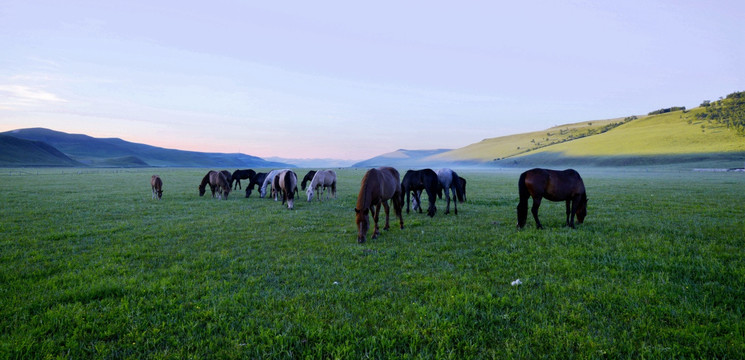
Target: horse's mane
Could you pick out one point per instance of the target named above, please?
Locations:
(205, 181)
(363, 199)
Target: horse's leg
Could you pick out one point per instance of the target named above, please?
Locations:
(568, 211)
(455, 199)
(407, 200)
(570, 214)
(398, 202)
(387, 215)
(376, 216)
(418, 197)
(447, 198)
(534, 210)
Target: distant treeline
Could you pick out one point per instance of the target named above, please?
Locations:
(667, 110)
(729, 111)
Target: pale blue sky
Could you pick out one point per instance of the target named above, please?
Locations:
(320, 79)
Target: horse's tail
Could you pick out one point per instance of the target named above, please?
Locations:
(458, 189)
(522, 205)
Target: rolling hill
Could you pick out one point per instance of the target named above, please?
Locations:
(84, 150)
(677, 137)
(21, 152)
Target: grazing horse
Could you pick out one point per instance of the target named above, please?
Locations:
(449, 180)
(417, 180)
(157, 186)
(256, 180)
(217, 181)
(308, 177)
(322, 179)
(239, 175)
(553, 185)
(287, 183)
(268, 181)
(378, 185)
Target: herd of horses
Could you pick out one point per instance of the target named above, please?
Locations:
(379, 185)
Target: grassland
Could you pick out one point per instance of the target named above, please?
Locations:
(91, 267)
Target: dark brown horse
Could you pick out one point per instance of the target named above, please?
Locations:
(256, 180)
(378, 185)
(308, 177)
(417, 180)
(553, 185)
(239, 175)
(157, 186)
(217, 182)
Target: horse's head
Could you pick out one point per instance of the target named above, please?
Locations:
(248, 192)
(159, 193)
(582, 209)
(363, 224)
(309, 192)
(202, 189)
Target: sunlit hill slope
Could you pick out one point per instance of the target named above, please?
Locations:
(674, 137)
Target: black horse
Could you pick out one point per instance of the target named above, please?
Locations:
(257, 179)
(239, 175)
(308, 177)
(553, 185)
(417, 180)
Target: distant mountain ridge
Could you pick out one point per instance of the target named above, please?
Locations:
(84, 150)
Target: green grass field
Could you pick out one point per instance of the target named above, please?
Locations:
(91, 267)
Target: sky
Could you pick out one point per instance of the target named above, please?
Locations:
(353, 80)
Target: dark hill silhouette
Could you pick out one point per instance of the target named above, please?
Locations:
(117, 152)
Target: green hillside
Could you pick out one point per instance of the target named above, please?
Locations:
(21, 152)
(674, 137)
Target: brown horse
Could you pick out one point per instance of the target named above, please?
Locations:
(217, 182)
(553, 185)
(378, 185)
(287, 183)
(157, 186)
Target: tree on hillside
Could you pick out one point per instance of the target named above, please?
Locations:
(728, 111)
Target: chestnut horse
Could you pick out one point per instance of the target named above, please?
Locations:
(378, 185)
(553, 185)
(217, 181)
(157, 186)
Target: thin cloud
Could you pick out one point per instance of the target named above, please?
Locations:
(15, 96)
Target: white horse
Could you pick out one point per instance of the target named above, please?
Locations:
(449, 181)
(322, 179)
(268, 181)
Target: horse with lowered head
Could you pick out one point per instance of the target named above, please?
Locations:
(378, 186)
(268, 182)
(239, 175)
(308, 177)
(450, 182)
(157, 186)
(217, 181)
(417, 180)
(553, 185)
(287, 183)
(322, 180)
(256, 180)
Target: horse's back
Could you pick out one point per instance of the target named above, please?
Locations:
(554, 185)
